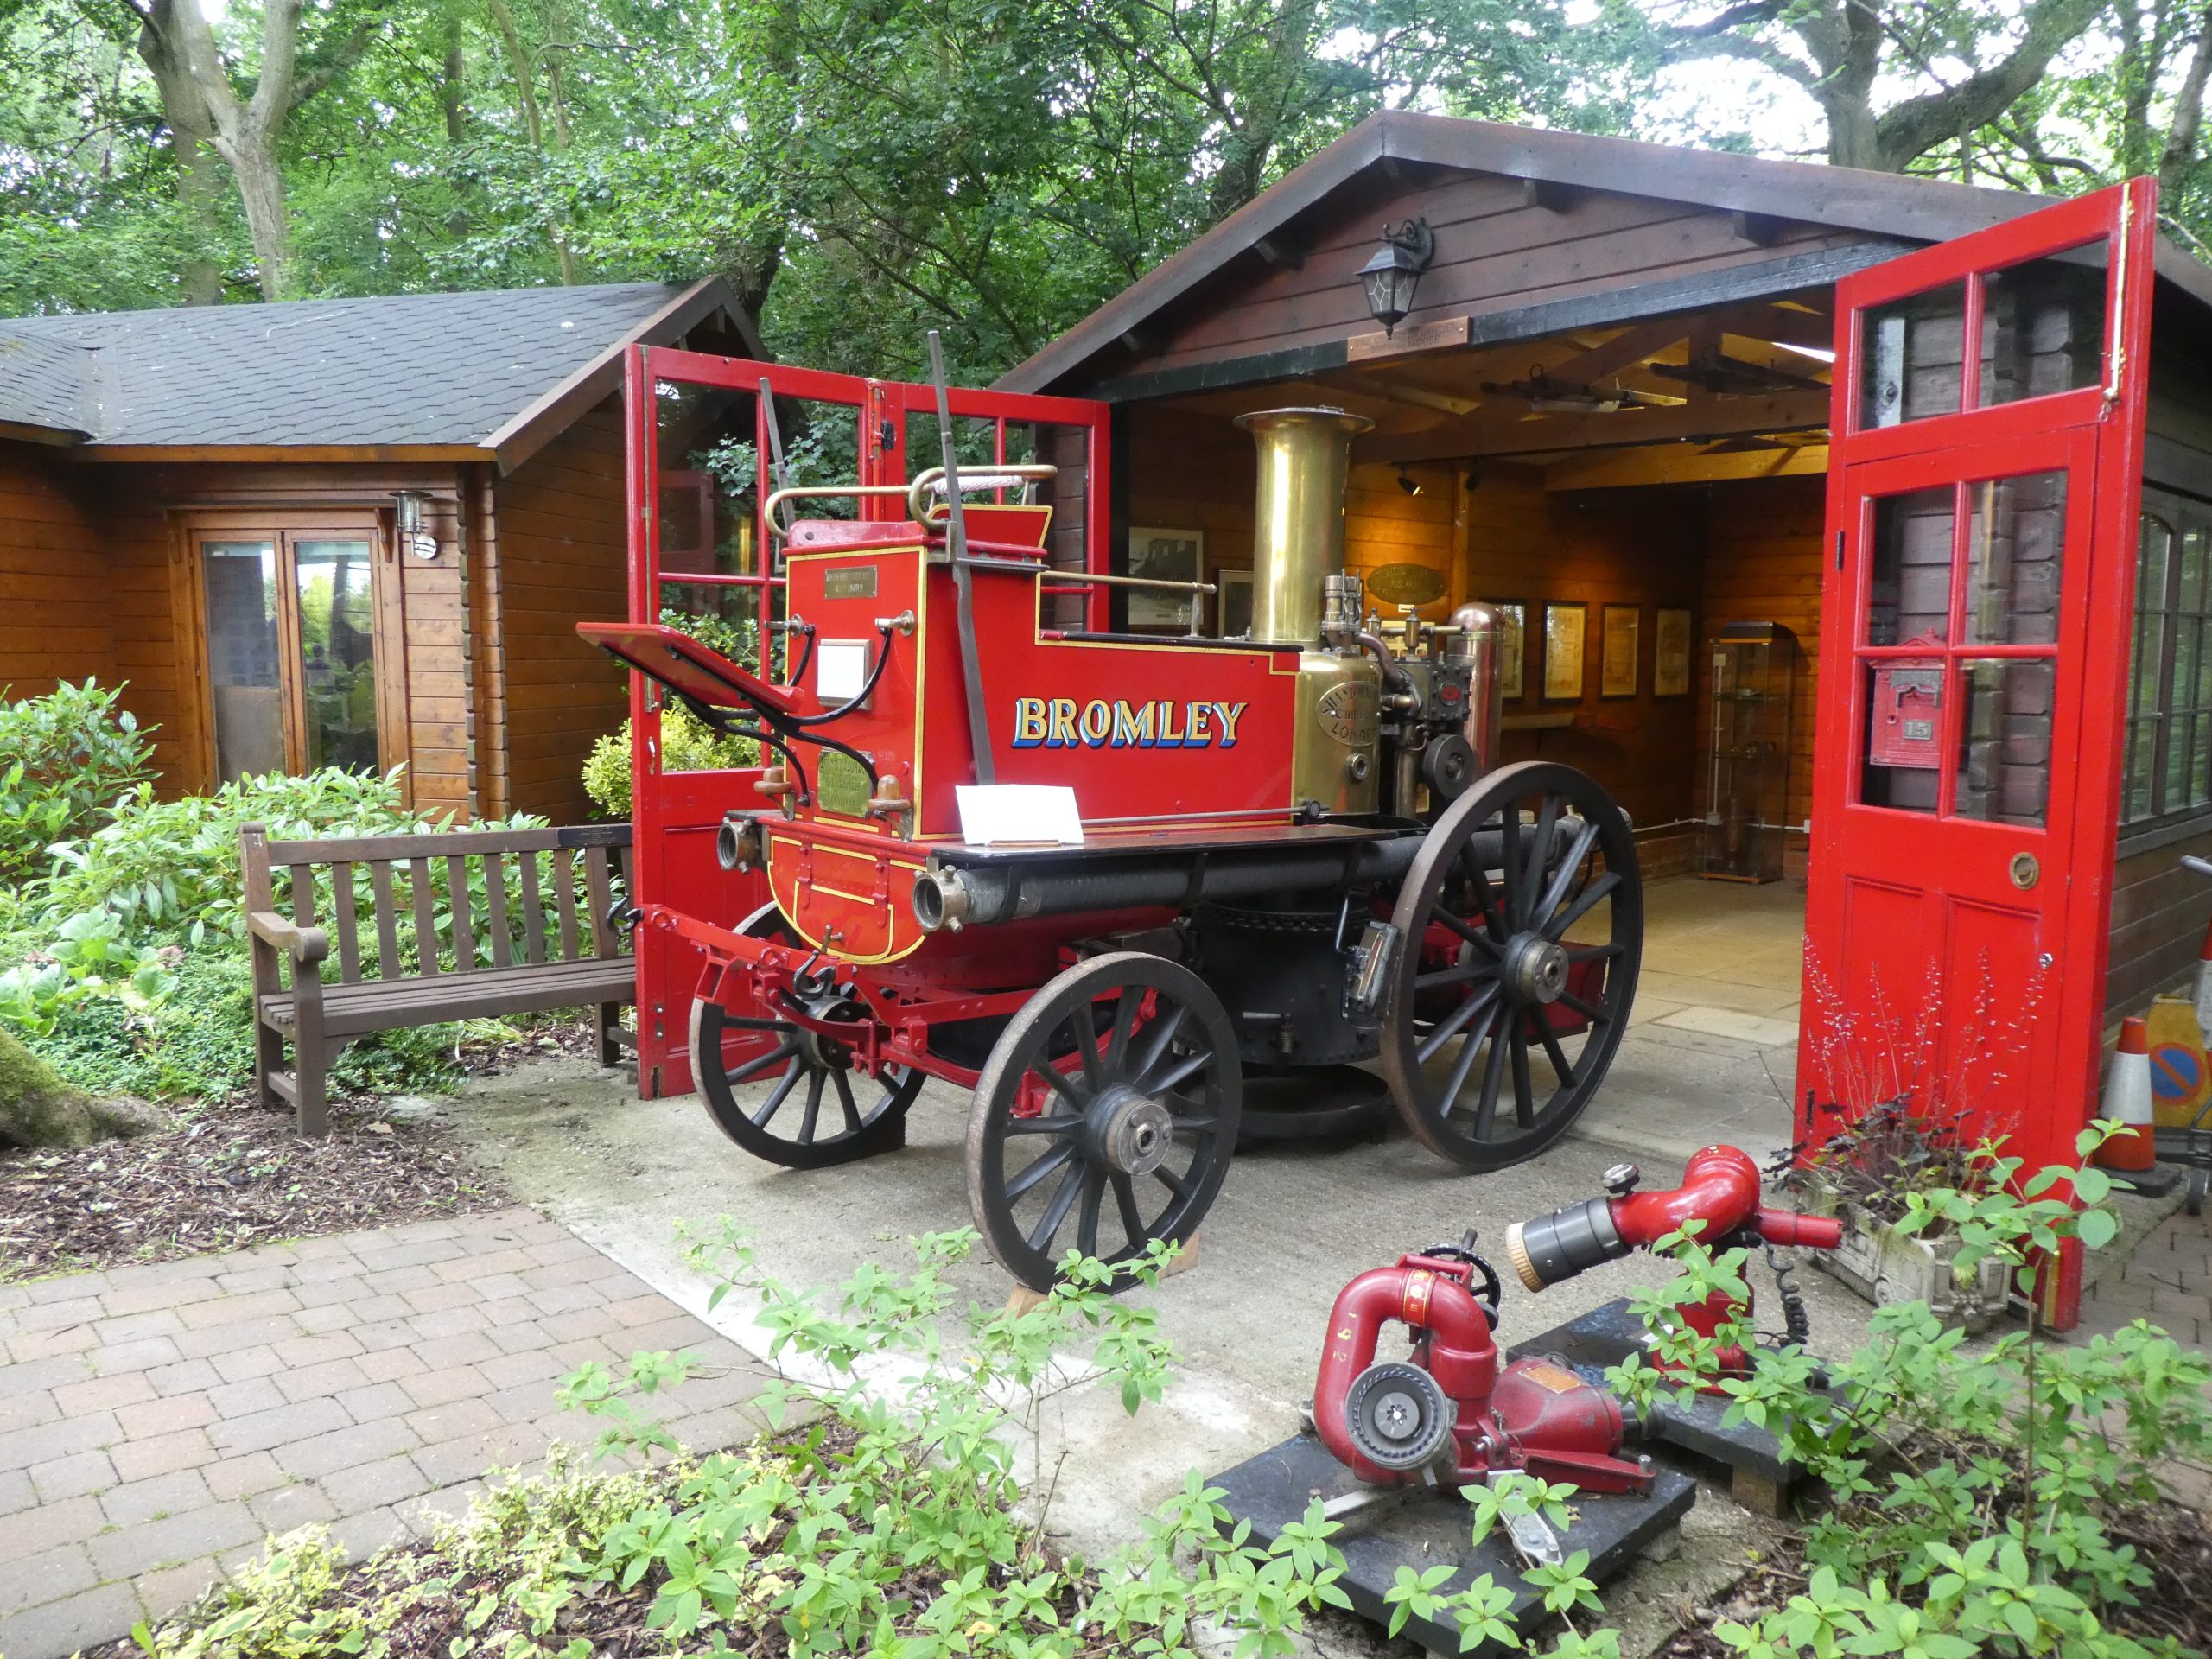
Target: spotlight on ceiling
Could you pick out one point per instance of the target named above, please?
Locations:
(1407, 482)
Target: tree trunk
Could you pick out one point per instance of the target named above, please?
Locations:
(199, 187)
(37, 1109)
(253, 157)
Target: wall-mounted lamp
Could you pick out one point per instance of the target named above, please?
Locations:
(407, 520)
(1407, 482)
(1391, 276)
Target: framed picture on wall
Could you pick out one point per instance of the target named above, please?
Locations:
(1670, 655)
(1512, 647)
(1617, 628)
(1161, 555)
(1565, 622)
(1232, 604)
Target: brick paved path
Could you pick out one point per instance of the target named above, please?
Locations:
(2167, 1279)
(156, 1423)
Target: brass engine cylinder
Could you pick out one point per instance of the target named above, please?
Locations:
(1480, 638)
(1298, 521)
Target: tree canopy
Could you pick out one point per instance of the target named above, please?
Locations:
(860, 170)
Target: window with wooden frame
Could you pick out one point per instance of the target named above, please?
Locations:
(2169, 767)
(295, 623)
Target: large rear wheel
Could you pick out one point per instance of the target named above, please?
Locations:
(808, 1103)
(1105, 1116)
(1521, 925)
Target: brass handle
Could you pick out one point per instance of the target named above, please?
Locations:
(2025, 871)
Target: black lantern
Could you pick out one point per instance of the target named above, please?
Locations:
(1395, 271)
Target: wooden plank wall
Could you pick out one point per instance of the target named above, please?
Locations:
(1496, 250)
(560, 559)
(55, 620)
(1763, 564)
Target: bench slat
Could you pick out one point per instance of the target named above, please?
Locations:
(351, 1011)
(602, 900)
(387, 921)
(303, 903)
(464, 920)
(533, 909)
(361, 849)
(426, 920)
(495, 893)
(564, 899)
(343, 909)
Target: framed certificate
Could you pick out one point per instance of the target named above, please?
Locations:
(1617, 638)
(1512, 648)
(1163, 555)
(1233, 604)
(1670, 655)
(1565, 622)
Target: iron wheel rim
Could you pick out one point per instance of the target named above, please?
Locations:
(1036, 1186)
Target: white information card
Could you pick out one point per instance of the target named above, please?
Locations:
(1001, 812)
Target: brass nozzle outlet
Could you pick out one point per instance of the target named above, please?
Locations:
(1516, 1252)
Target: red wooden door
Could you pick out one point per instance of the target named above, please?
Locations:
(1975, 628)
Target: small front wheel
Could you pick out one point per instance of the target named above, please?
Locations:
(1104, 1117)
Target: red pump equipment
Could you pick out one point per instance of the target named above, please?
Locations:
(1449, 1412)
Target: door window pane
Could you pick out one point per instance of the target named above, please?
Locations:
(1904, 738)
(1915, 357)
(2004, 745)
(1910, 596)
(2043, 330)
(338, 674)
(2016, 530)
(243, 686)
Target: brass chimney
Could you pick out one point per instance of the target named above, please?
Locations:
(1298, 519)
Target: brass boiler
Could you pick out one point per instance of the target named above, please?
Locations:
(1298, 545)
(1477, 638)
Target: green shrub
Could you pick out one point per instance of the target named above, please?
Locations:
(686, 745)
(67, 755)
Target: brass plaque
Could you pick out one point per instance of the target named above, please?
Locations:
(1422, 337)
(1350, 714)
(849, 581)
(1406, 584)
(840, 784)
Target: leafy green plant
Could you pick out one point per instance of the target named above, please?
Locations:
(63, 758)
(686, 745)
(87, 959)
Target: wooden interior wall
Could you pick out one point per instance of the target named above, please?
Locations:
(1496, 250)
(150, 570)
(56, 620)
(560, 559)
(1763, 564)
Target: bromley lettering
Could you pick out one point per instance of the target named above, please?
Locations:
(1064, 723)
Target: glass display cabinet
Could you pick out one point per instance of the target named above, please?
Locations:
(1747, 762)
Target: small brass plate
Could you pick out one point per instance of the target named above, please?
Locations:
(1406, 584)
(2026, 871)
(1350, 714)
(849, 581)
(840, 785)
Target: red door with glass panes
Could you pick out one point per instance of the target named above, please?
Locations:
(1974, 633)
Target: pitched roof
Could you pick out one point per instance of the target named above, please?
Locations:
(403, 371)
(1883, 204)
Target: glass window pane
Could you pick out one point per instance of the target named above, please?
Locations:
(2005, 741)
(2188, 637)
(244, 687)
(2043, 330)
(1914, 351)
(2174, 790)
(338, 635)
(2154, 550)
(1909, 596)
(2142, 751)
(725, 616)
(2144, 656)
(2191, 596)
(1903, 752)
(2015, 532)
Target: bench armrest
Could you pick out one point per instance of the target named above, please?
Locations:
(305, 943)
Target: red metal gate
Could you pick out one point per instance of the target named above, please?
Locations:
(1974, 631)
(700, 545)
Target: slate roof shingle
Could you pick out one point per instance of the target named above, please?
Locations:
(405, 369)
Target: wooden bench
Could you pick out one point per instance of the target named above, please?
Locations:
(395, 970)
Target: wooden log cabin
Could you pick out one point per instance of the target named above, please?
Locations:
(1613, 390)
(345, 532)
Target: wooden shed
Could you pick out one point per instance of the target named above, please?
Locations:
(343, 531)
(1663, 398)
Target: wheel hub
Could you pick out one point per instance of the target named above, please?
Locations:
(1535, 968)
(1131, 1133)
(816, 1052)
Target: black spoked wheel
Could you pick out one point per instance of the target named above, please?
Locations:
(809, 1105)
(1105, 1116)
(1522, 925)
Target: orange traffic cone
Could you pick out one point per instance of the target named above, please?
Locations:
(2204, 983)
(2127, 1097)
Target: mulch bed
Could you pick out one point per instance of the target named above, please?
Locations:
(235, 1174)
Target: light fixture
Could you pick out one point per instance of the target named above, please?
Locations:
(407, 520)
(1391, 276)
(1407, 482)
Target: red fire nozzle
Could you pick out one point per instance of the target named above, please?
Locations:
(1720, 1187)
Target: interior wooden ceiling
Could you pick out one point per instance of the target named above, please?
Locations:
(1597, 407)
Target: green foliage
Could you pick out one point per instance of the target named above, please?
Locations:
(63, 758)
(686, 745)
(1970, 1492)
